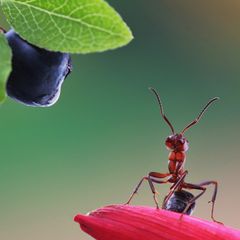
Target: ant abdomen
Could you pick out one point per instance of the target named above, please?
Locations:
(179, 201)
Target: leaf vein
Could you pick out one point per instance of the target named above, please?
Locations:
(67, 17)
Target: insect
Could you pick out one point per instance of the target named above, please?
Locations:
(178, 145)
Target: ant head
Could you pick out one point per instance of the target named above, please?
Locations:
(177, 142)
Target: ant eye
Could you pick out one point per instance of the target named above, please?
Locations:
(169, 143)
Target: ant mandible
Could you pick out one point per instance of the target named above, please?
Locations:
(177, 144)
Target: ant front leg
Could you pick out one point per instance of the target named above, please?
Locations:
(150, 179)
(174, 187)
(202, 186)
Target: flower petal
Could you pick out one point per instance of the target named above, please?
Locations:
(124, 222)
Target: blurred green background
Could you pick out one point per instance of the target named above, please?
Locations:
(105, 133)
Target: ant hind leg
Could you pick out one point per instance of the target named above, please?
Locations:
(202, 186)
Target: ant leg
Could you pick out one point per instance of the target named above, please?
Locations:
(213, 196)
(151, 174)
(159, 175)
(202, 187)
(154, 192)
(174, 187)
(193, 186)
(151, 179)
(136, 190)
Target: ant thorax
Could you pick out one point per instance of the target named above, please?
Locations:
(177, 143)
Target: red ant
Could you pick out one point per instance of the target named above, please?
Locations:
(177, 144)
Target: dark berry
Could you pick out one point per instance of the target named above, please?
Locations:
(37, 74)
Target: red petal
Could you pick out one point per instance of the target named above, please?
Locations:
(124, 222)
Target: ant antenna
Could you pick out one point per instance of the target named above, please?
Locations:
(200, 115)
(161, 108)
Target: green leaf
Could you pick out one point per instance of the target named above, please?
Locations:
(5, 65)
(74, 26)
